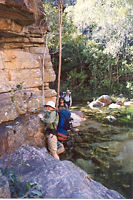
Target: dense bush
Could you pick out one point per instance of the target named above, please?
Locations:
(90, 66)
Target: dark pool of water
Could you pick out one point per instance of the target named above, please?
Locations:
(107, 157)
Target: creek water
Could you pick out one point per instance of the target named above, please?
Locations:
(106, 153)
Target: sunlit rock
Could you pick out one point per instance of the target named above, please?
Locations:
(128, 103)
(111, 118)
(22, 29)
(96, 104)
(114, 105)
(76, 119)
(105, 99)
(118, 102)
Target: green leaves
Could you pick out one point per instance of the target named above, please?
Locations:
(19, 189)
(109, 22)
(96, 47)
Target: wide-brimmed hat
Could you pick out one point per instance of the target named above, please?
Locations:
(51, 104)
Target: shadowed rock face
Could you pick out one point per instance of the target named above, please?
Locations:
(17, 10)
(55, 179)
(24, 130)
(22, 30)
(22, 12)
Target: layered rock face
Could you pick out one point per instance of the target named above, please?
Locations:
(22, 45)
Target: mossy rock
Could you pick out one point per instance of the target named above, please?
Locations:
(84, 145)
(81, 152)
(78, 139)
(93, 130)
(100, 162)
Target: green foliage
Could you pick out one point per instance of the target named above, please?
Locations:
(130, 88)
(53, 23)
(108, 22)
(19, 189)
(96, 47)
(126, 116)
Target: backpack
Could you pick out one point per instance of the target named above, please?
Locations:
(65, 119)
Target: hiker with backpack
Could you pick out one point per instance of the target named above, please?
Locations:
(68, 99)
(64, 124)
(57, 125)
(51, 120)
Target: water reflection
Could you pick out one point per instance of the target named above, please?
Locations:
(127, 156)
(107, 155)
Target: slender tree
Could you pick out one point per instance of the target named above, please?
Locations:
(60, 6)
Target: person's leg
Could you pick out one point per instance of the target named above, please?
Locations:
(52, 145)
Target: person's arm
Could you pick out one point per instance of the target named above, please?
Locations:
(44, 117)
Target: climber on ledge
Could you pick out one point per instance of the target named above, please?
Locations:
(51, 119)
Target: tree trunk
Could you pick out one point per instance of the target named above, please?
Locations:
(117, 68)
(60, 6)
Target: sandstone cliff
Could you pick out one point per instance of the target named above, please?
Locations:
(22, 40)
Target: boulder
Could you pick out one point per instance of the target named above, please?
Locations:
(79, 113)
(119, 102)
(19, 102)
(25, 130)
(114, 105)
(54, 178)
(77, 119)
(128, 103)
(111, 118)
(105, 99)
(96, 104)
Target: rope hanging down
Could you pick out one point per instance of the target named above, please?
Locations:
(43, 71)
(60, 7)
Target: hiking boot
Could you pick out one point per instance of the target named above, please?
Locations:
(60, 148)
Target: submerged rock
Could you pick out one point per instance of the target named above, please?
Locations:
(55, 178)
